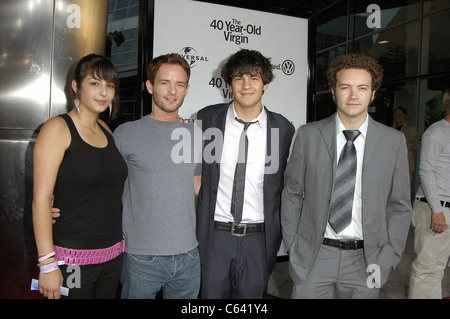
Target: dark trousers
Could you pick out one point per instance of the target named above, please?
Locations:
(100, 281)
(236, 267)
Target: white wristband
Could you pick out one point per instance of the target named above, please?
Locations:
(44, 269)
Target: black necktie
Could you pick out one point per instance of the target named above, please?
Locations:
(344, 185)
(237, 199)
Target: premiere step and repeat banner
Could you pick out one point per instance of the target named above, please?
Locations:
(206, 34)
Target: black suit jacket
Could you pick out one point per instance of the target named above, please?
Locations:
(214, 117)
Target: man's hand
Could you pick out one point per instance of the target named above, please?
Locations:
(55, 211)
(55, 214)
(438, 223)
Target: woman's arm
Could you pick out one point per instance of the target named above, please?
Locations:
(52, 142)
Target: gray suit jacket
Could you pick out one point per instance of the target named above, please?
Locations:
(308, 188)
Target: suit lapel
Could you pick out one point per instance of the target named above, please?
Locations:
(270, 125)
(372, 140)
(270, 179)
(328, 131)
(218, 121)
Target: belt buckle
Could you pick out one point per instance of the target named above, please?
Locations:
(233, 230)
(344, 244)
(354, 243)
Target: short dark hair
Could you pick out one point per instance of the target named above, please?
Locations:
(401, 108)
(250, 62)
(355, 61)
(171, 58)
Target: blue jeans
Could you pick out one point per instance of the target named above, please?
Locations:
(143, 276)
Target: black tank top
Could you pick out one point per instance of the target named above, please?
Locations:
(88, 191)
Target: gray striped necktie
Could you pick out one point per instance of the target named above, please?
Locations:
(237, 197)
(344, 185)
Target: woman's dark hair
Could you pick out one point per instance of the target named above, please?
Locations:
(102, 68)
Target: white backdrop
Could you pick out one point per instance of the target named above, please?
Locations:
(207, 34)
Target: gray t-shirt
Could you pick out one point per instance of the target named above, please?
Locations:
(159, 197)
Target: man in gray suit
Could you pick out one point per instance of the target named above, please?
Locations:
(352, 254)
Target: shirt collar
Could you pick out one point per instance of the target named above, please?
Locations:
(362, 129)
(261, 118)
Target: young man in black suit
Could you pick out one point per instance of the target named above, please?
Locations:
(239, 238)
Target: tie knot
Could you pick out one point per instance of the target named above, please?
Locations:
(351, 135)
(246, 124)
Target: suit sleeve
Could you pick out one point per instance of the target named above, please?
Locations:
(292, 194)
(398, 208)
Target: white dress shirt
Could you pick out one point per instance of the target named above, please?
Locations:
(354, 229)
(253, 211)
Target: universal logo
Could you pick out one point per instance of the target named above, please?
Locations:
(192, 57)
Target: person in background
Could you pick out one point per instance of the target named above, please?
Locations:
(431, 214)
(76, 160)
(411, 136)
(159, 197)
(238, 213)
(345, 206)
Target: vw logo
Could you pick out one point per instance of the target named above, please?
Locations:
(288, 67)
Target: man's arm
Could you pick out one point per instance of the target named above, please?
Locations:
(398, 206)
(292, 194)
(429, 156)
(55, 212)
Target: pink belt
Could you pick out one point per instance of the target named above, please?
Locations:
(88, 256)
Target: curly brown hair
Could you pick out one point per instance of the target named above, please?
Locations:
(355, 61)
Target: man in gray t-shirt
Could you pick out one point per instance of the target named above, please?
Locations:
(163, 157)
(158, 199)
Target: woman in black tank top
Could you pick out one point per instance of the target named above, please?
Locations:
(77, 163)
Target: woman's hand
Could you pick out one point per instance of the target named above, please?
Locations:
(49, 284)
